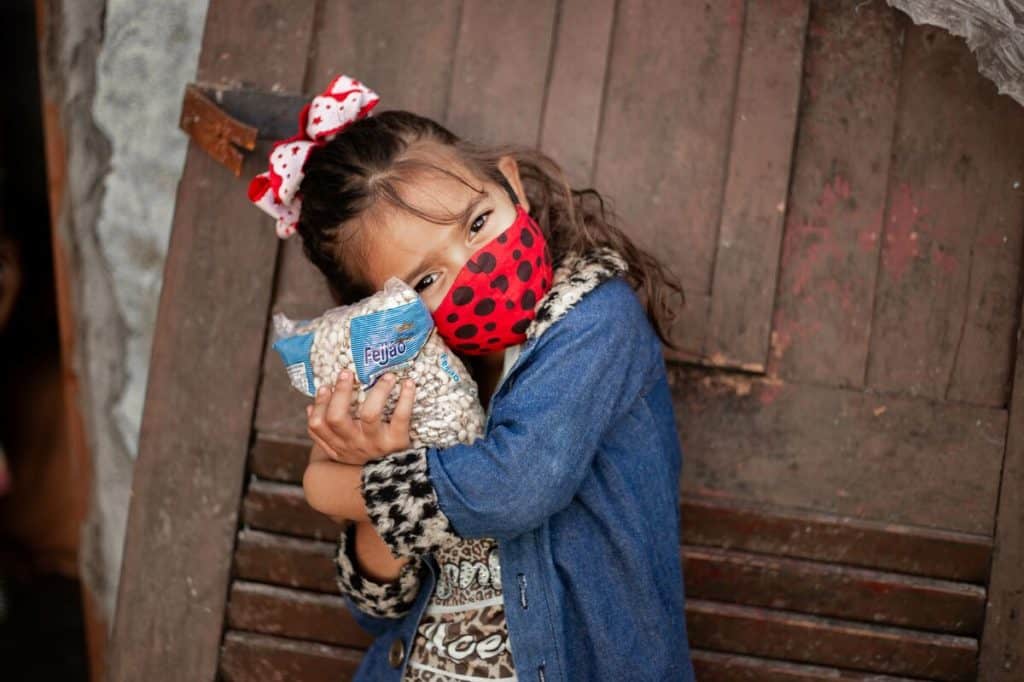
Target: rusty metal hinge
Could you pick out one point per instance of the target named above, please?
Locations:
(228, 122)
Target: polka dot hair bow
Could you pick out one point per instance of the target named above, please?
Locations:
(345, 101)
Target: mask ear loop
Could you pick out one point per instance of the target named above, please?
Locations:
(511, 192)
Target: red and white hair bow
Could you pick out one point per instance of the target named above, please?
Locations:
(345, 101)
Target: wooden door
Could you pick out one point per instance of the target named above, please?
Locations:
(839, 191)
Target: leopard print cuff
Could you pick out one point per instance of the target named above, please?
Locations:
(385, 600)
(402, 503)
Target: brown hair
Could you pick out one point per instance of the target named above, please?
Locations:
(374, 156)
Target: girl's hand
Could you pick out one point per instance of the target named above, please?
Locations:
(367, 436)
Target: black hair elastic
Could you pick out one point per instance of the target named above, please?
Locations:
(511, 192)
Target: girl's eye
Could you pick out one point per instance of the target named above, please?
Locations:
(478, 224)
(425, 282)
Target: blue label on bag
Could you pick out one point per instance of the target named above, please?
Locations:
(294, 351)
(387, 339)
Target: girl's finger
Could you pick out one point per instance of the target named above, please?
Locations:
(331, 445)
(402, 415)
(317, 425)
(370, 412)
(323, 448)
(338, 415)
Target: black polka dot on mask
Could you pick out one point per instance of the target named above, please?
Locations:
(466, 331)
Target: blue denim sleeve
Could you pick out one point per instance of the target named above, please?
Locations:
(545, 427)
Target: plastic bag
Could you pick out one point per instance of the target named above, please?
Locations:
(389, 331)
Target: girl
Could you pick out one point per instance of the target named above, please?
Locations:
(549, 548)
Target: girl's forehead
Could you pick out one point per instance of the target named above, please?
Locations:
(395, 238)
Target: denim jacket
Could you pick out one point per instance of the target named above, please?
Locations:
(576, 479)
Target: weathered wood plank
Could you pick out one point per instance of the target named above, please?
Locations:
(282, 508)
(946, 307)
(1002, 644)
(403, 50)
(849, 541)
(712, 666)
(500, 71)
(192, 453)
(248, 657)
(824, 641)
(753, 205)
(875, 457)
(664, 136)
(300, 292)
(276, 459)
(262, 46)
(834, 216)
(732, 523)
(271, 610)
(575, 89)
(830, 590)
(188, 477)
(280, 560)
(721, 627)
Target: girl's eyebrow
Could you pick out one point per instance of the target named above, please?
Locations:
(467, 214)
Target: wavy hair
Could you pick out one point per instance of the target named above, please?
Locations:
(376, 155)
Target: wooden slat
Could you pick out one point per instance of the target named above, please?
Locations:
(711, 625)
(500, 71)
(946, 308)
(290, 562)
(300, 292)
(403, 50)
(712, 666)
(575, 89)
(876, 457)
(711, 573)
(282, 508)
(247, 657)
(279, 459)
(176, 513)
(830, 249)
(844, 540)
(1002, 646)
(188, 476)
(830, 590)
(232, 30)
(823, 641)
(664, 136)
(761, 149)
(271, 610)
(731, 523)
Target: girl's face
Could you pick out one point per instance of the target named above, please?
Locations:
(426, 255)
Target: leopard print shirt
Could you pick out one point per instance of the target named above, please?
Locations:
(462, 634)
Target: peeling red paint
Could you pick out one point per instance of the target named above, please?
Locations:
(769, 392)
(814, 240)
(946, 261)
(735, 16)
(901, 237)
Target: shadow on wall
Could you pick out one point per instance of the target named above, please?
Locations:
(41, 624)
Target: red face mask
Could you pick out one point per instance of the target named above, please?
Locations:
(491, 302)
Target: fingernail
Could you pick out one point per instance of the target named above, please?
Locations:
(408, 383)
(322, 390)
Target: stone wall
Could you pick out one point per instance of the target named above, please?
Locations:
(116, 69)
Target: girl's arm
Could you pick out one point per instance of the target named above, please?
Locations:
(546, 424)
(379, 585)
(333, 488)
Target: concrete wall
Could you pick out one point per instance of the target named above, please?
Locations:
(117, 70)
